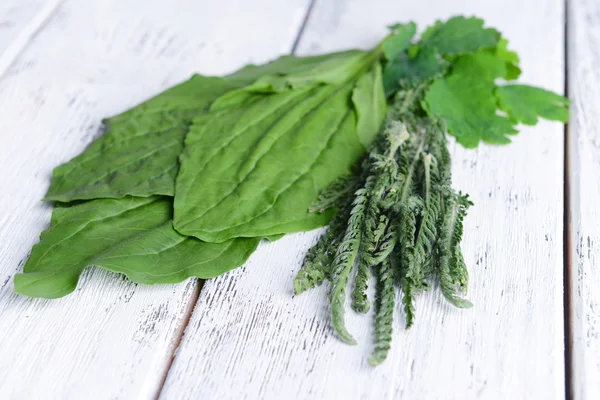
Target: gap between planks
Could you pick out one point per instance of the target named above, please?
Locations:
(303, 26)
(200, 282)
(179, 334)
(567, 244)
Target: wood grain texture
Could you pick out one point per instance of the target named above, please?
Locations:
(584, 190)
(249, 338)
(17, 17)
(110, 339)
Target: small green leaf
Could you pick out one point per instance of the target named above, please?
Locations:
(132, 236)
(525, 104)
(425, 64)
(512, 60)
(395, 44)
(459, 35)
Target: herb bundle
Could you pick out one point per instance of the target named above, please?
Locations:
(398, 216)
(188, 183)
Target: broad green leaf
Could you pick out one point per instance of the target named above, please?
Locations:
(369, 102)
(465, 101)
(525, 104)
(395, 44)
(138, 153)
(459, 35)
(254, 170)
(133, 236)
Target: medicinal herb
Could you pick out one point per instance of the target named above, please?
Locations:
(133, 236)
(404, 222)
(188, 183)
(259, 146)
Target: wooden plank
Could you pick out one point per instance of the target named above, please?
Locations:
(584, 192)
(110, 339)
(18, 19)
(248, 338)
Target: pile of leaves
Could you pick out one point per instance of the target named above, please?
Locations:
(188, 183)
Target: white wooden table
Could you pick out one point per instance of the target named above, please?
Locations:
(535, 229)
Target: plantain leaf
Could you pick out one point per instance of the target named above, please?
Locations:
(369, 99)
(138, 153)
(254, 170)
(133, 236)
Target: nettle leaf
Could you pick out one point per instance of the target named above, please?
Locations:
(459, 35)
(254, 170)
(465, 101)
(132, 236)
(138, 153)
(525, 104)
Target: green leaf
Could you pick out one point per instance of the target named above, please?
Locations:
(138, 153)
(525, 104)
(425, 64)
(395, 44)
(133, 236)
(334, 68)
(287, 63)
(370, 105)
(465, 101)
(511, 58)
(468, 99)
(459, 35)
(254, 170)
(483, 66)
